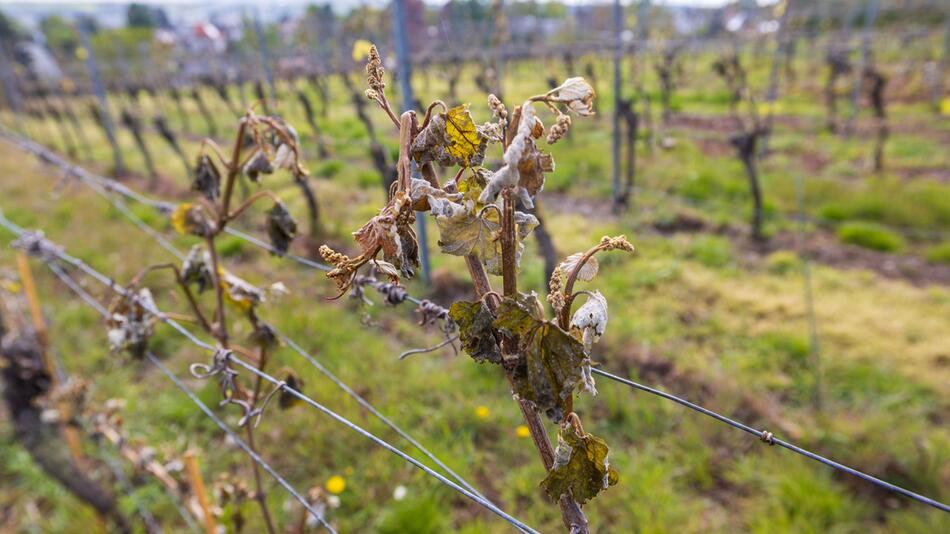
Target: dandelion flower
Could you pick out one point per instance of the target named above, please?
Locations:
(482, 412)
(522, 431)
(336, 484)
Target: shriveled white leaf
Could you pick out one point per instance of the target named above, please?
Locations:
(509, 175)
(577, 94)
(284, 158)
(587, 272)
(386, 268)
(590, 320)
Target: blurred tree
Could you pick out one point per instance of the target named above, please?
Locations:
(143, 16)
(10, 31)
(60, 36)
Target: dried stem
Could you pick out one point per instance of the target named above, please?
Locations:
(571, 513)
(251, 200)
(565, 316)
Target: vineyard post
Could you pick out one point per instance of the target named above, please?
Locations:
(942, 66)
(408, 101)
(771, 95)
(198, 489)
(619, 201)
(870, 15)
(92, 69)
(814, 342)
(42, 337)
(265, 55)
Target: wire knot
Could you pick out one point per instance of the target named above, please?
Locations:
(34, 243)
(767, 437)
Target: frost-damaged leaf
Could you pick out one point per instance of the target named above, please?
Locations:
(464, 141)
(131, 324)
(447, 142)
(259, 164)
(263, 335)
(241, 294)
(294, 382)
(580, 468)
(524, 166)
(190, 219)
(577, 94)
(463, 232)
(587, 272)
(281, 228)
(590, 320)
(196, 269)
(475, 330)
(550, 360)
(207, 178)
(390, 232)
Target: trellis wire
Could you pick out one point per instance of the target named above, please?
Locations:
(134, 218)
(48, 251)
(769, 438)
(92, 302)
(741, 426)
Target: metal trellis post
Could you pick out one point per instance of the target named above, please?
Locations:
(405, 88)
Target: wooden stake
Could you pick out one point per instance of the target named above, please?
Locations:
(198, 489)
(70, 434)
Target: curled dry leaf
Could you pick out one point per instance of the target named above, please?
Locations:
(263, 335)
(590, 320)
(190, 218)
(390, 232)
(131, 324)
(586, 273)
(581, 467)
(524, 166)
(550, 361)
(450, 138)
(462, 231)
(476, 333)
(294, 382)
(239, 293)
(196, 269)
(576, 94)
(281, 228)
(207, 178)
(258, 164)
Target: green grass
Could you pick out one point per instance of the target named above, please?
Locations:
(869, 235)
(732, 329)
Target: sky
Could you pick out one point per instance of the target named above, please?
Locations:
(263, 3)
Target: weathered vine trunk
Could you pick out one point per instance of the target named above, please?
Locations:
(25, 381)
(745, 144)
(209, 119)
(132, 122)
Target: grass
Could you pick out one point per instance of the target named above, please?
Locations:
(869, 235)
(731, 330)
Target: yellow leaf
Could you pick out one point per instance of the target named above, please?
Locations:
(180, 218)
(463, 137)
(361, 49)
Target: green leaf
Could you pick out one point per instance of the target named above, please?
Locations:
(475, 330)
(580, 467)
(551, 362)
